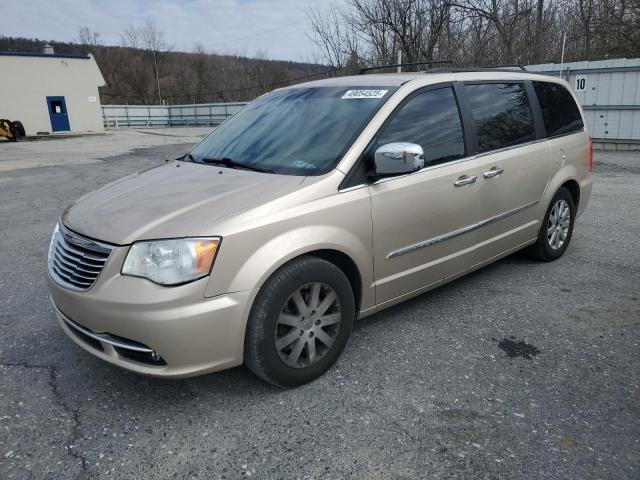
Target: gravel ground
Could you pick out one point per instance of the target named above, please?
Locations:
(519, 370)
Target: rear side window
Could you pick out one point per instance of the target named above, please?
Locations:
(502, 114)
(559, 110)
(430, 119)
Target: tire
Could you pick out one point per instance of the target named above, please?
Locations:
(277, 317)
(549, 247)
(18, 129)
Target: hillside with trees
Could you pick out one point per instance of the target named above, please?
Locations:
(144, 69)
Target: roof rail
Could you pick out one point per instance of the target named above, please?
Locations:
(506, 66)
(395, 65)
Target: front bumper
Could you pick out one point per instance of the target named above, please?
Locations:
(191, 334)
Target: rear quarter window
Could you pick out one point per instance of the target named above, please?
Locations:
(559, 110)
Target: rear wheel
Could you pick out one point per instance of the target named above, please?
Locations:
(556, 229)
(300, 322)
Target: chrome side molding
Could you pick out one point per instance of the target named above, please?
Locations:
(455, 233)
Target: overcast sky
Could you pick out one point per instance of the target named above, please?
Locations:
(276, 27)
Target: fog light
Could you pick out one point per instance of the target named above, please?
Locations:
(155, 356)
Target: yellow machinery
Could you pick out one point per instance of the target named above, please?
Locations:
(11, 130)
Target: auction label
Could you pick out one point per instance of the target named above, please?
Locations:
(351, 94)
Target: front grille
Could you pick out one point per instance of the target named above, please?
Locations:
(76, 261)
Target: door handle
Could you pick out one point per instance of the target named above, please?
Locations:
(493, 172)
(465, 180)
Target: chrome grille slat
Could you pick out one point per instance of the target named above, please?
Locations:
(72, 271)
(77, 257)
(85, 255)
(76, 261)
(68, 279)
(70, 261)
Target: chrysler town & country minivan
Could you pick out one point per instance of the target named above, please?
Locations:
(315, 205)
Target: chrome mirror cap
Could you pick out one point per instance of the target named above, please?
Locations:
(401, 157)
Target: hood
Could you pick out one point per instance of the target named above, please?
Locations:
(171, 201)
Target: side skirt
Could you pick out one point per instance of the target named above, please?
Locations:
(431, 286)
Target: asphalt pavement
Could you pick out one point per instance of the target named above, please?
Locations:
(519, 370)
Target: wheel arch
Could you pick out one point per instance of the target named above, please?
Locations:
(346, 250)
(574, 188)
(340, 259)
(346, 264)
(566, 177)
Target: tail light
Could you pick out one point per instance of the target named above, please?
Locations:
(590, 154)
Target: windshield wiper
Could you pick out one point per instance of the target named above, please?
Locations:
(229, 163)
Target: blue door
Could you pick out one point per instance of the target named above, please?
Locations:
(58, 114)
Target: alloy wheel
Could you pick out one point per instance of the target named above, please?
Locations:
(558, 224)
(308, 325)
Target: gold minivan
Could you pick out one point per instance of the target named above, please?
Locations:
(316, 205)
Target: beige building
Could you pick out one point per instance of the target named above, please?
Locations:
(51, 93)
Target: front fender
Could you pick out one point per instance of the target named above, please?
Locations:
(256, 244)
(276, 252)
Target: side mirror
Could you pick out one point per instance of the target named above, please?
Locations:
(396, 158)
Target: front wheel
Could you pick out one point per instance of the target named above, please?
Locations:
(300, 322)
(556, 229)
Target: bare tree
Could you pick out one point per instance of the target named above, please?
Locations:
(130, 37)
(474, 31)
(587, 11)
(539, 25)
(201, 71)
(506, 16)
(334, 36)
(153, 41)
(410, 26)
(88, 37)
(629, 31)
(413, 28)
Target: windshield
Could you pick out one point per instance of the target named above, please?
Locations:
(296, 131)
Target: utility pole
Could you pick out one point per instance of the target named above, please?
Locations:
(564, 41)
(155, 64)
(399, 61)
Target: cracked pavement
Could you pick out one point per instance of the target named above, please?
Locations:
(519, 370)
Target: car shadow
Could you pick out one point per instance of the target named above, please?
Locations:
(239, 382)
(453, 288)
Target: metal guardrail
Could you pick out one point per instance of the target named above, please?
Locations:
(115, 116)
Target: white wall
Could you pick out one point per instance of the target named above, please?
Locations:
(26, 81)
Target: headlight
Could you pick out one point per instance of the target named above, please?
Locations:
(171, 262)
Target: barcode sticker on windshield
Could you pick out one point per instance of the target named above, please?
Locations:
(351, 94)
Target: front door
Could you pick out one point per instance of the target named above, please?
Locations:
(58, 114)
(421, 221)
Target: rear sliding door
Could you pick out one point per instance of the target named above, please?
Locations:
(514, 162)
